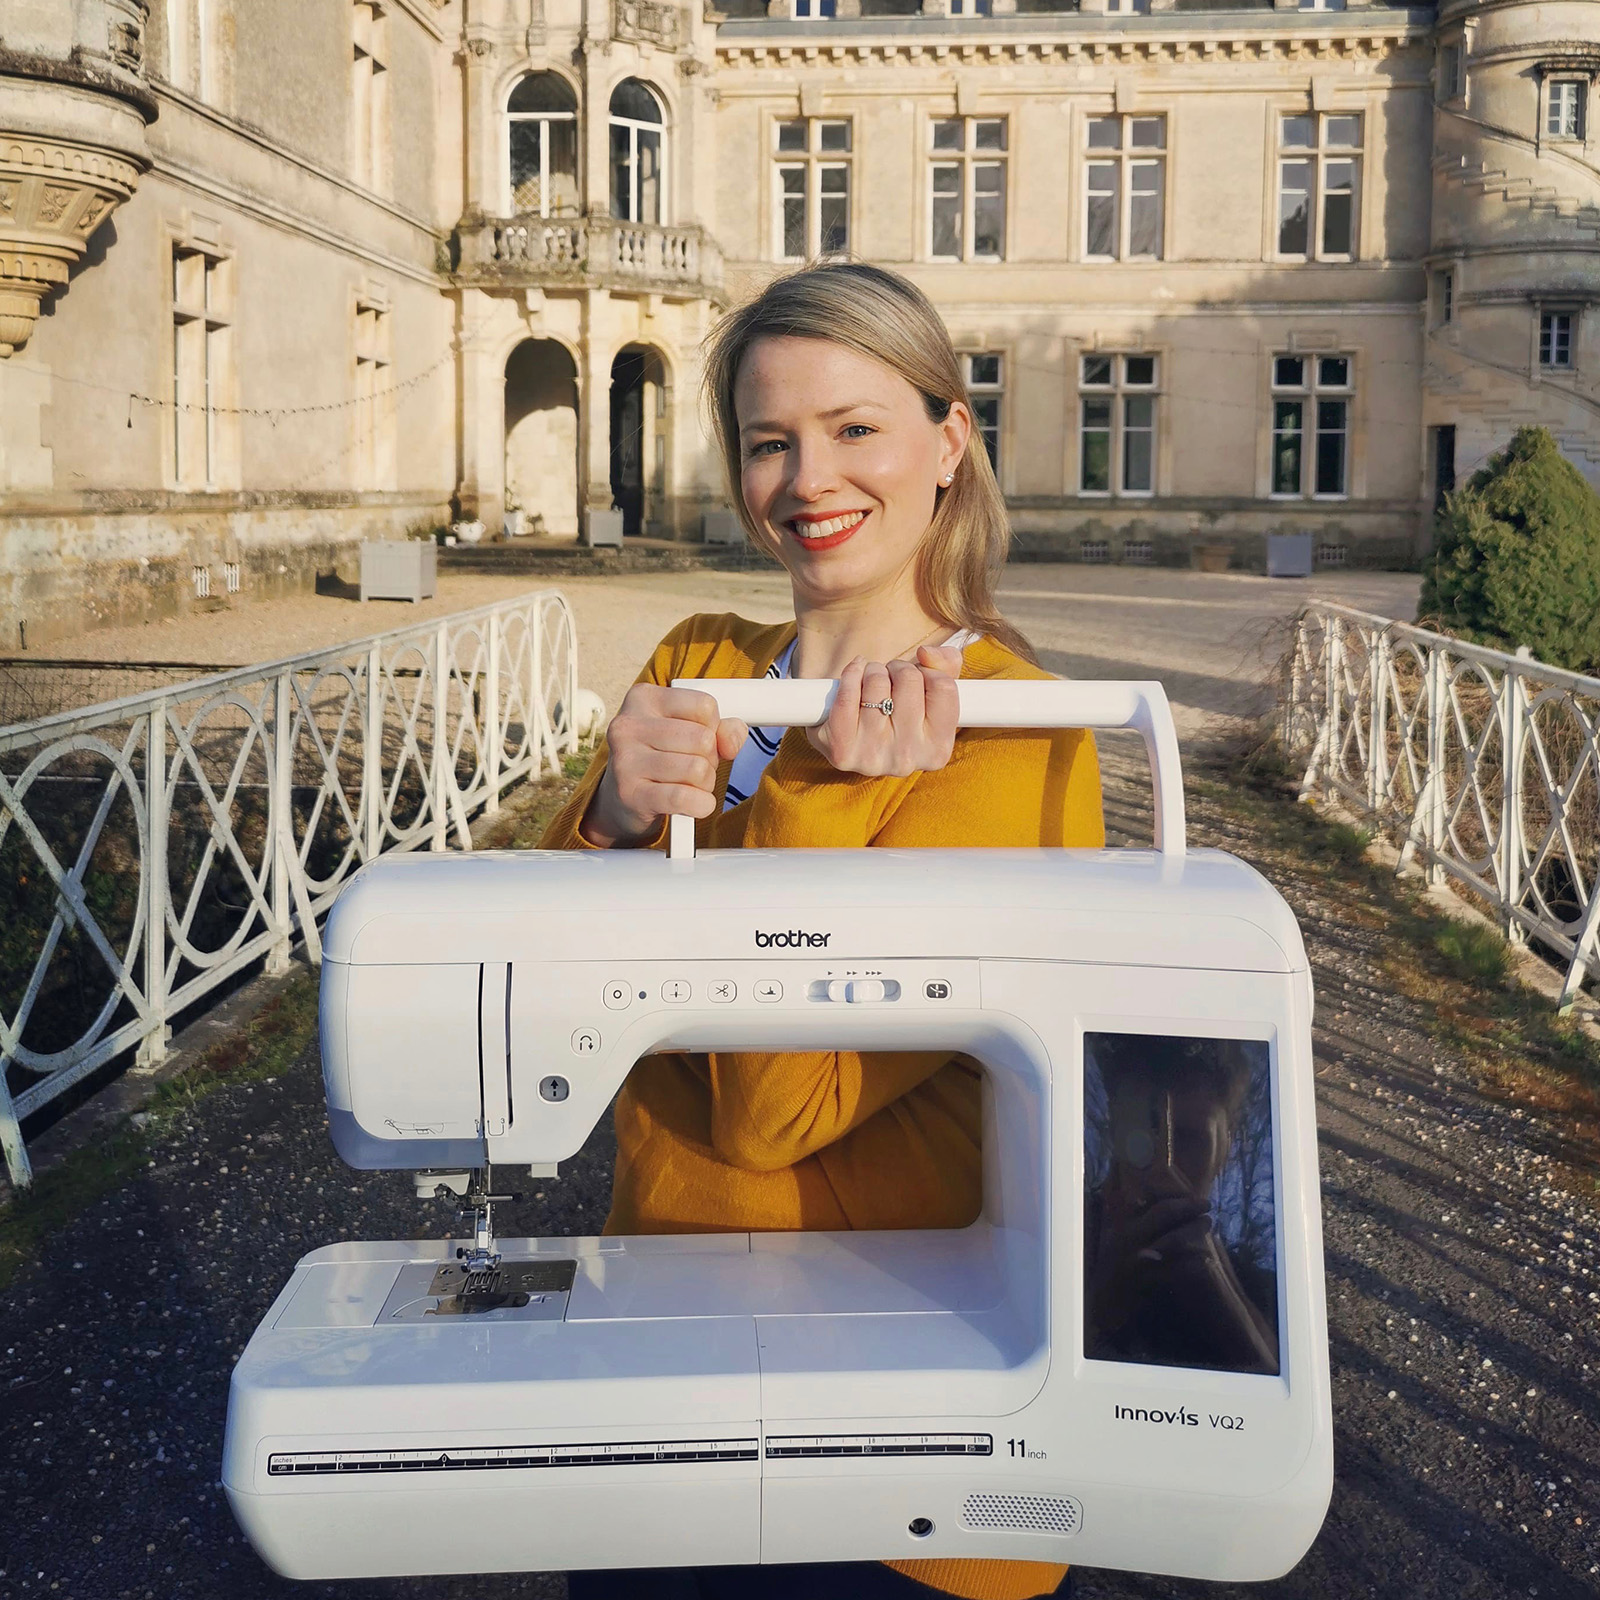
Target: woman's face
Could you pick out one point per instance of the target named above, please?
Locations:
(840, 464)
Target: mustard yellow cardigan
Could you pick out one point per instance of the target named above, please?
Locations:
(739, 1141)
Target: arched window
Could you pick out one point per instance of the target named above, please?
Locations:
(638, 154)
(542, 139)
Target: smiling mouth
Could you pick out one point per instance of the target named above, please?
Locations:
(825, 532)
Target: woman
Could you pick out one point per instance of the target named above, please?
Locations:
(847, 438)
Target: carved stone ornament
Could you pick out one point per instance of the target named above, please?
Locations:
(647, 22)
(53, 195)
(480, 48)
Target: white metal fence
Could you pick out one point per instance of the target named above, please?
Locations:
(152, 847)
(1484, 767)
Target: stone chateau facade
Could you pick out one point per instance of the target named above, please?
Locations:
(275, 277)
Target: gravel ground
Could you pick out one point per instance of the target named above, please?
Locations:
(1212, 639)
(1463, 1285)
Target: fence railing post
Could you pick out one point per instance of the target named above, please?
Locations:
(571, 630)
(543, 739)
(1436, 811)
(153, 1047)
(1377, 722)
(492, 720)
(372, 758)
(1333, 690)
(279, 795)
(1513, 742)
(1586, 947)
(441, 737)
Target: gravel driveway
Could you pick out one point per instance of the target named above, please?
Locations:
(1464, 1301)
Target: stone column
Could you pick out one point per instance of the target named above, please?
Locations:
(480, 493)
(483, 149)
(594, 412)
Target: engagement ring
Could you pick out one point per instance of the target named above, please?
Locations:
(886, 706)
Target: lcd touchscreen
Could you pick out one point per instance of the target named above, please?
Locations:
(1180, 1234)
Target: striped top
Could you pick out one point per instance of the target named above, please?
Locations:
(762, 744)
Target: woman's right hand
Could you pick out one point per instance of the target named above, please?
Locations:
(664, 747)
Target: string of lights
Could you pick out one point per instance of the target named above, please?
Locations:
(270, 414)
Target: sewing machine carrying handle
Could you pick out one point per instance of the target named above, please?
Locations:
(985, 703)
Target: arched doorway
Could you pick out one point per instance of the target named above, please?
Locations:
(638, 437)
(542, 437)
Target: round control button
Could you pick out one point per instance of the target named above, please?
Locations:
(617, 995)
(586, 1042)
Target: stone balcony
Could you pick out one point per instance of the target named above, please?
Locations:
(73, 110)
(682, 263)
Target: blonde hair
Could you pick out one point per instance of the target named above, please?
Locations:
(879, 314)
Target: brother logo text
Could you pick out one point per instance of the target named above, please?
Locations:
(794, 939)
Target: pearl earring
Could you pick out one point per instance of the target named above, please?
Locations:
(945, 480)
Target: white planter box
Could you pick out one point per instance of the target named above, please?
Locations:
(399, 569)
(720, 527)
(1289, 555)
(604, 528)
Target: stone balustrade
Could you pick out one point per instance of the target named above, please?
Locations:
(590, 252)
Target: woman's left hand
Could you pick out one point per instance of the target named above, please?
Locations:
(918, 735)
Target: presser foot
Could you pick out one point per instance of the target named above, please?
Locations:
(481, 1256)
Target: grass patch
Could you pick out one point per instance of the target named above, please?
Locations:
(527, 811)
(1473, 952)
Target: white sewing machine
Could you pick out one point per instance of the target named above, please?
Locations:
(1122, 1363)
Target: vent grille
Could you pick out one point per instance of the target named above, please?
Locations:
(1023, 1513)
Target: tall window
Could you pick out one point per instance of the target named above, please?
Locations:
(1124, 188)
(985, 385)
(375, 411)
(813, 188)
(1319, 173)
(1311, 398)
(638, 154)
(1127, 8)
(1444, 297)
(967, 189)
(1566, 108)
(1555, 338)
(542, 147)
(1451, 78)
(369, 95)
(971, 8)
(1117, 446)
(811, 10)
(192, 61)
(200, 353)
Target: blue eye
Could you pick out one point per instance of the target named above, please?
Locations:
(856, 428)
(761, 449)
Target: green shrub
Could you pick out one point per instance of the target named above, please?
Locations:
(1516, 558)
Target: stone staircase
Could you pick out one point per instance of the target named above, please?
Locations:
(1542, 200)
(539, 558)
